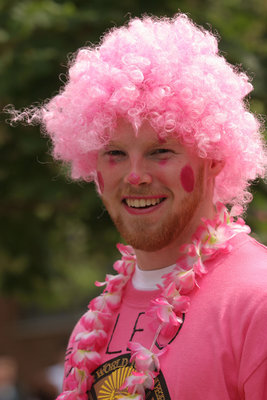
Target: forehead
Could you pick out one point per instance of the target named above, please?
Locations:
(125, 134)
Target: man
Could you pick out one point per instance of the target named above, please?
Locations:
(156, 117)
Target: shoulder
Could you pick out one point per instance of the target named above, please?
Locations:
(241, 274)
(236, 286)
(249, 260)
(247, 257)
(246, 244)
(257, 247)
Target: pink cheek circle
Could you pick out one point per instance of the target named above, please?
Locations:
(100, 181)
(187, 179)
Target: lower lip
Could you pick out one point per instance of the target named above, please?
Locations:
(142, 211)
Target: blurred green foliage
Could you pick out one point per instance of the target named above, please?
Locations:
(55, 234)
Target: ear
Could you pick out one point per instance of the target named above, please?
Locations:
(215, 167)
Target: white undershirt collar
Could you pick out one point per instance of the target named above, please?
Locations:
(148, 280)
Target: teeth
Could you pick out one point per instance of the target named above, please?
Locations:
(139, 203)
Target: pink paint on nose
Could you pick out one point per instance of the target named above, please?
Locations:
(133, 179)
(100, 181)
(187, 179)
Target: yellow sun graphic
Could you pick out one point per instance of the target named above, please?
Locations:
(110, 390)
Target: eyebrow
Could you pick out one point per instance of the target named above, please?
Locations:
(159, 141)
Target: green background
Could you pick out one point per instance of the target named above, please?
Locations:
(56, 238)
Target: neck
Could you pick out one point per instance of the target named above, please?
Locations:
(169, 254)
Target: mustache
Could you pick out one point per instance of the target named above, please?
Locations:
(141, 191)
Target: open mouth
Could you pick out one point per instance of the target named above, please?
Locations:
(143, 203)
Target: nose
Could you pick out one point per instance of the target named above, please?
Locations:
(137, 175)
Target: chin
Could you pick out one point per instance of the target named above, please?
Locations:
(141, 237)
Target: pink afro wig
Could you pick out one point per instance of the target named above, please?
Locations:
(166, 71)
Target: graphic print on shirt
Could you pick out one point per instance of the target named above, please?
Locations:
(116, 366)
(138, 329)
(109, 377)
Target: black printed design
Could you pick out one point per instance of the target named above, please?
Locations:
(109, 377)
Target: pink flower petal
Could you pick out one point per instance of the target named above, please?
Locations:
(85, 359)
(125, 250)
(144, 359)
(93, 340)
(96, 320)
(106, 302)
(70, 395)
(113, 283)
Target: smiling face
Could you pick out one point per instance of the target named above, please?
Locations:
(151, 188)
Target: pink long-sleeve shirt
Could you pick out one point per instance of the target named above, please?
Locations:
(219, 352)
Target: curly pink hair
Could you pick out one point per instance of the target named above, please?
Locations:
(166, 71)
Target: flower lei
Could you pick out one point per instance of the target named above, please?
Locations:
(166, 311)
